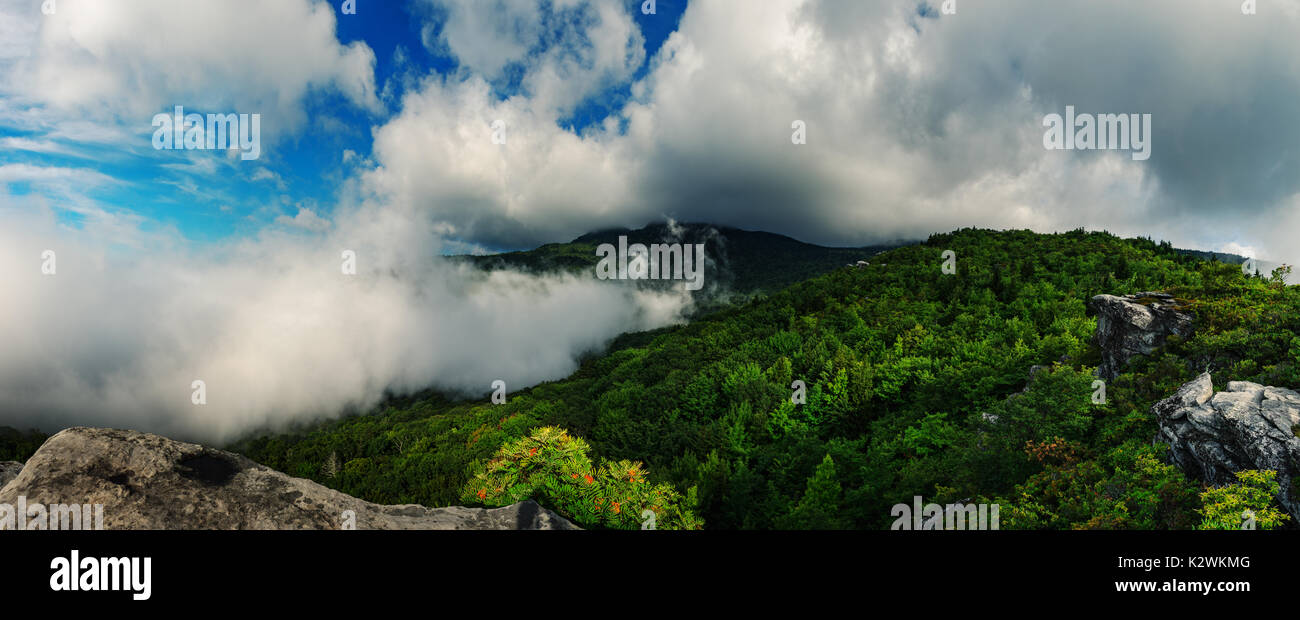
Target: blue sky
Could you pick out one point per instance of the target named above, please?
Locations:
(204, 198)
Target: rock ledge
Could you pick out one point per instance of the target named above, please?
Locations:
(1135, 325)
(1212, 435)
(148, 482)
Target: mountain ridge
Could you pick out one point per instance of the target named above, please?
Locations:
(744, 263)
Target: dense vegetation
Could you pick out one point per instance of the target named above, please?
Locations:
(16, 445)
(918, 384)
(1226, 506)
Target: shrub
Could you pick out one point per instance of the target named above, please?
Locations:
(1228, 507)
(553, 468)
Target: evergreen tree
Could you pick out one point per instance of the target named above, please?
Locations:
(819, 509)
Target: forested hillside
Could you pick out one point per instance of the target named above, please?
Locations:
(918, 384)
(16, 445)
(742, 264)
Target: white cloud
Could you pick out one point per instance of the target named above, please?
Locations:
(272, 326)
(265, 174)
(18, 27)
(569, 49)
(486, 36)
(54, 175)
(439, 159)
(915, 124)
(34, 146)
(125, 61)
(306, 220)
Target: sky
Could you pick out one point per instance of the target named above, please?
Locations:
(379, 134)
(81, 86)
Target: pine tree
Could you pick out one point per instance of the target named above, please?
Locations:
(819, 509)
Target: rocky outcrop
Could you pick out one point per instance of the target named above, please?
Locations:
(8, 471)
(147, 482)
(1135, 325)
(1212, 436)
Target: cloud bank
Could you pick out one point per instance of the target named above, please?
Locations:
(916, 122)
(132, 313)
(274, 328)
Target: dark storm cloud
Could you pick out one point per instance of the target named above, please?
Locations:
(917, 121)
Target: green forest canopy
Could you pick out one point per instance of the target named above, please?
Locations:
(918, 385)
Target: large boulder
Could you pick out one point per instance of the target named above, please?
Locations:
(148, 482)
(1135, 325)
(1212, 435)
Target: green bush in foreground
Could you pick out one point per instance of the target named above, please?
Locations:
(553, 468)
(1229, 507)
